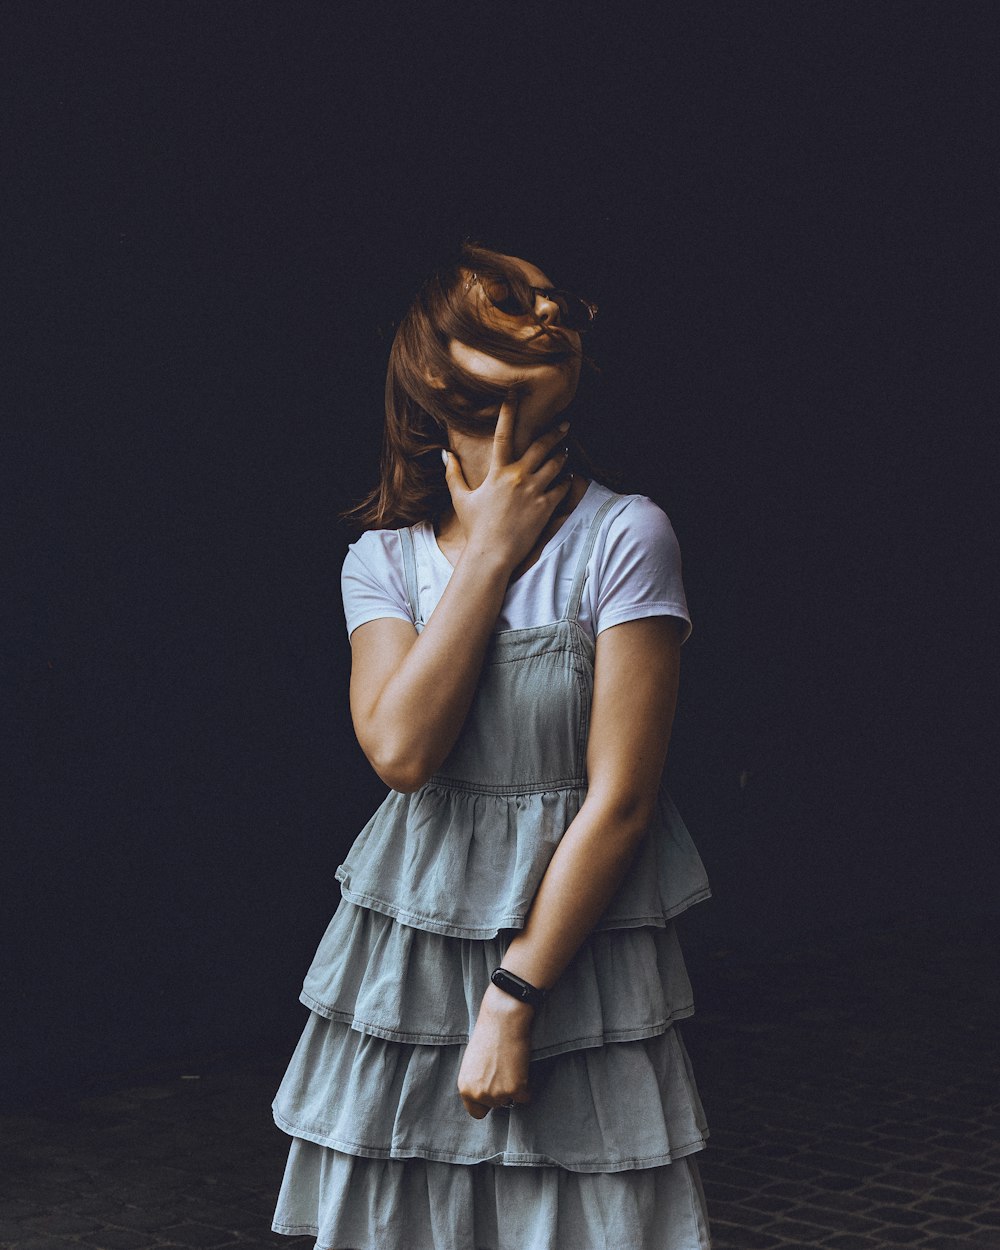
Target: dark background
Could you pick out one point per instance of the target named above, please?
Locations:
(216, 213)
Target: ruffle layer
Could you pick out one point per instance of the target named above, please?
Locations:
(432, 860)
(614, 1108)
(386, 1204)
(409, 985)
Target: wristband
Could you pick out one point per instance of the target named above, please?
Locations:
(518, 988)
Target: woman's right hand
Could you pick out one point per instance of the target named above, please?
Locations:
(503, 517)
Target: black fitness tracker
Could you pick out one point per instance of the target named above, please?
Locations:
(517, 988)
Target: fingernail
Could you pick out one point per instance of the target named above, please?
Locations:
(564, 426)
(444, 457)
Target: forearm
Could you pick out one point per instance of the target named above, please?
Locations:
(579, 883)
(419, 712)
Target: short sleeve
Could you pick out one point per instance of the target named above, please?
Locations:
(372, 580)
(638, 568)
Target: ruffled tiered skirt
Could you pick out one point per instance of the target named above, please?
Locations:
(384, 1155)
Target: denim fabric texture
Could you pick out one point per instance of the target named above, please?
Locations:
(383, 1154)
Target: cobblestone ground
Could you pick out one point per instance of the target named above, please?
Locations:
(854, 1094)
(852, 1088)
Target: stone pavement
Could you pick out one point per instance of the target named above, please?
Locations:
(853, 1087)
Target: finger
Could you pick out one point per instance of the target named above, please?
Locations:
(478, 1110)
(520, 1099)
(553, 479)
(503, 435)
(453, 475)
(542, 447)
(550, 470)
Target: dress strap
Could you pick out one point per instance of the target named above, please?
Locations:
(410, 572)
(580, 576)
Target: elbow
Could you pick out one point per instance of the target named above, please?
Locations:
(396, 759)
(626, 815)
(402, 781)
(402, 771)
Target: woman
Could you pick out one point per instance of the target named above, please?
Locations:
(491, 1061)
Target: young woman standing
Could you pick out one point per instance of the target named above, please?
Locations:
(491, 1061)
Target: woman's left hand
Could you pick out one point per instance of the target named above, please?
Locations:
(494, 1071)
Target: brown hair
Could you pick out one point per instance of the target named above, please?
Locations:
(427, 392)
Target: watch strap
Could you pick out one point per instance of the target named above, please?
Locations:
(517, 987)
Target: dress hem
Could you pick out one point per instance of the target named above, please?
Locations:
(512, 920)
(500, 1158)
(591, 1042)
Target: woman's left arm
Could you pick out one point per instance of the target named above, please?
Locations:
(636, 671)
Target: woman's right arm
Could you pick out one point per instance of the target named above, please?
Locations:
(410, 693)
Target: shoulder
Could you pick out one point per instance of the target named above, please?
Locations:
(636, 565)
(373, 580)
(374, 548)
(634, 523)
(639, 517)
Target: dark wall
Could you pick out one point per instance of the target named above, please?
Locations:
(218, 213)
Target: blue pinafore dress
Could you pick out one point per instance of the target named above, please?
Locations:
(383, 1154)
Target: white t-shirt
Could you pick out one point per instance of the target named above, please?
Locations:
(634, 571)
